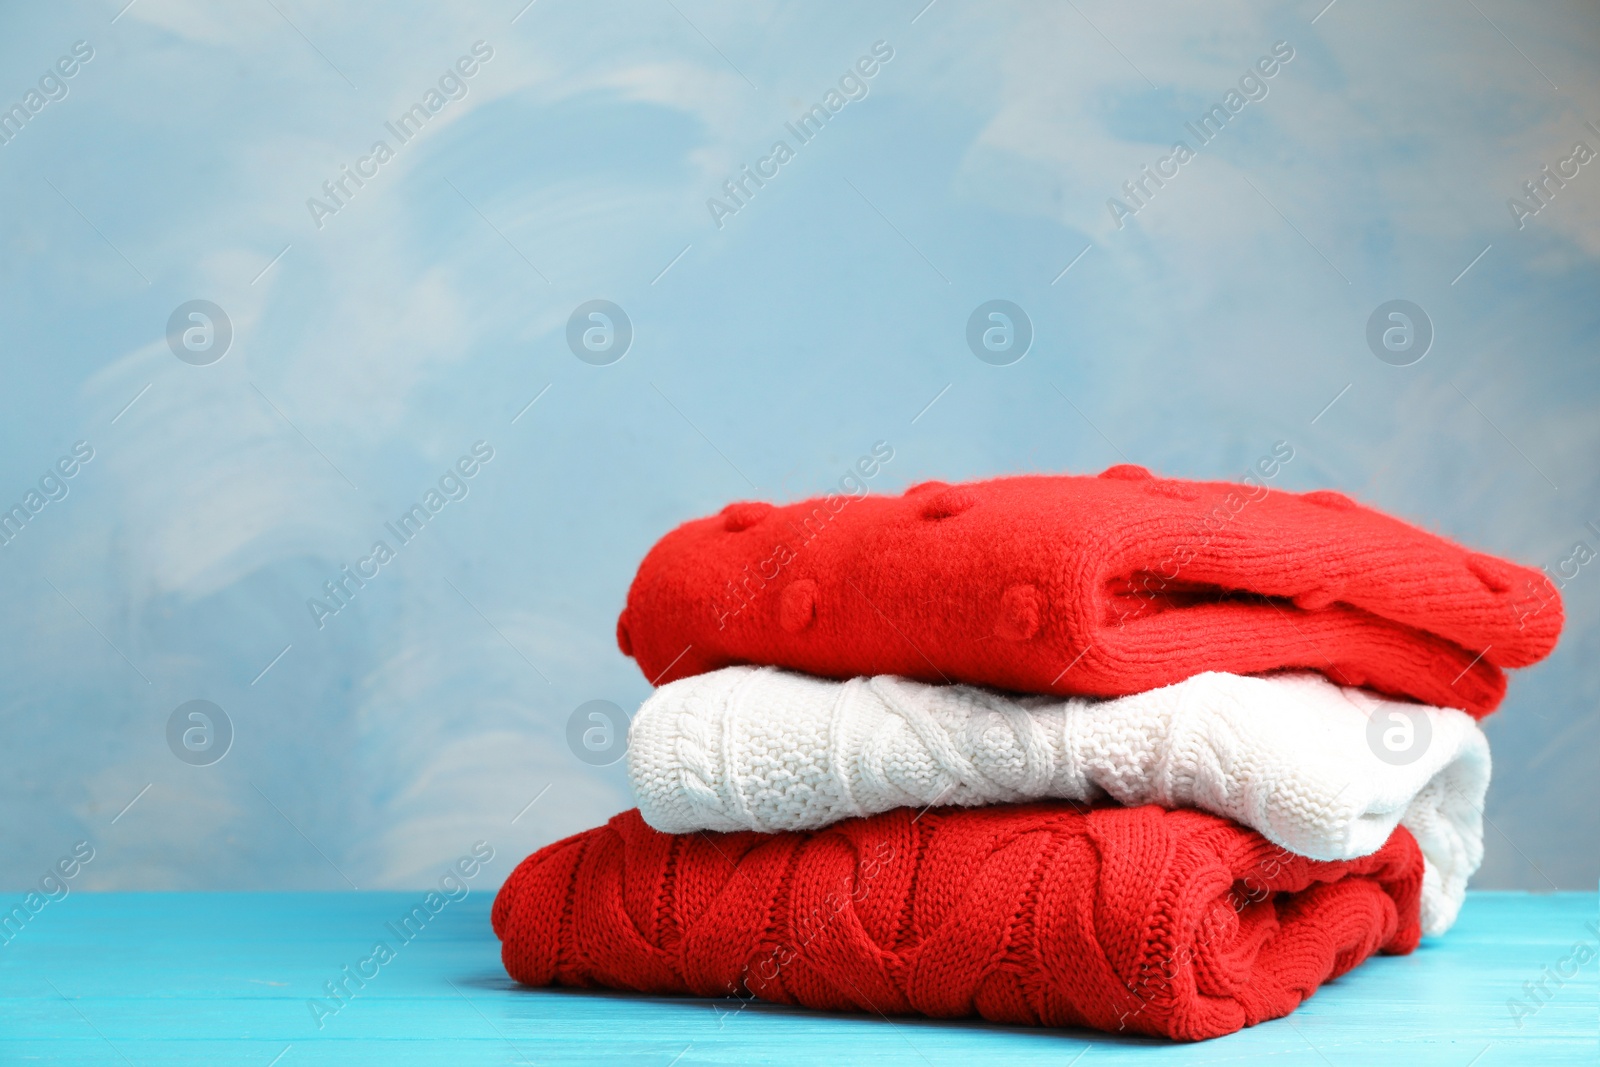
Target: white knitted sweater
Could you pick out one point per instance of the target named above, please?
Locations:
(1325, 772)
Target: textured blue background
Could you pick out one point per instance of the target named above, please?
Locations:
(822, 317)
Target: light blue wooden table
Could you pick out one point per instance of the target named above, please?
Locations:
(219, 979)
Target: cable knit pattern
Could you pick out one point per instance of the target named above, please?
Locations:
(1289, 756)
(1138, 920)
(1102, 586)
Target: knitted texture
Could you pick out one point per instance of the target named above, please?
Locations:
(1292, 756)
(1103, 585)
(1174, 923)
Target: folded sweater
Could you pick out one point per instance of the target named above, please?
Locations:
(1103, 586)
(1325, 772)
(1175, 923)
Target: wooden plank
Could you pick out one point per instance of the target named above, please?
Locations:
(222, 978)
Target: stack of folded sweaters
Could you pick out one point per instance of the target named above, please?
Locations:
(1125, 752)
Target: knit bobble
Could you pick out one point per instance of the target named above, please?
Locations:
(1317, 599)
(797, 607)
(1327, 498)
(743, 515)
(1126, 472)
(1493, 573)
(949, 504)
(624, 639)
(1019, 613)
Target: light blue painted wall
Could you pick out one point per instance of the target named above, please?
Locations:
(821, 317)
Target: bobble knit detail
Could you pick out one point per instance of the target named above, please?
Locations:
(1328, 498)
(1020, 609)
(948, 504)
(1147, 582)
(797, 606)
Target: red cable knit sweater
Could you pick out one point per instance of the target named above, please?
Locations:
(1174, 923)
(1103, 585)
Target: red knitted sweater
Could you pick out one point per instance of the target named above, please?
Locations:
(1103, 585)
(1174, 923)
